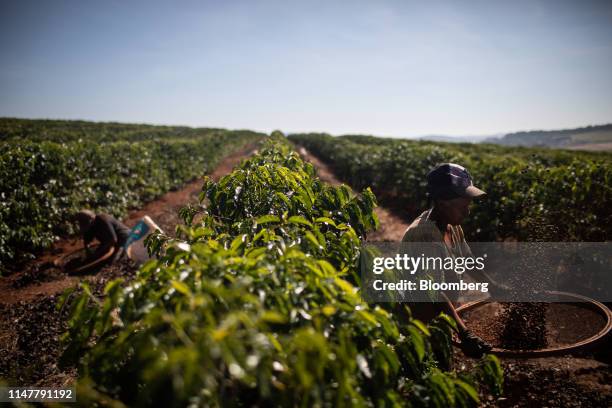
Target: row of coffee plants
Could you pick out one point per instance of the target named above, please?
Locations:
(565, 192)
(42, 184)
(64, 131)
(256, 304)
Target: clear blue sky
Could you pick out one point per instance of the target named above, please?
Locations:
(394, 68)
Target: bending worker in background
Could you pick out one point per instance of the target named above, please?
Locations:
(451, 191)
(111, 233)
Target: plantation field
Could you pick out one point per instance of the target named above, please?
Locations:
(51, 169)
(253, 299)
(532, 194)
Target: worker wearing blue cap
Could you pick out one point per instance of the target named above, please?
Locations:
(451, 190)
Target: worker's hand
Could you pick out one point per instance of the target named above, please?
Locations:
(472, 345)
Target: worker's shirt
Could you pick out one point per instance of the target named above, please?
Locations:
(108, 230)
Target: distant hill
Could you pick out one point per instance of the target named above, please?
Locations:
(585, 138)
(458, 139)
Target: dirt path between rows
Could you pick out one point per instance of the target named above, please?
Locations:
(391, 228)
(580, 380)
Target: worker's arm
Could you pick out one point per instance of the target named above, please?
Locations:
(449, 309)
(87, 238)
(103, 230)
(96, 262)
(472, 345)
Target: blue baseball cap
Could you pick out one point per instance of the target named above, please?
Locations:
(450, 180)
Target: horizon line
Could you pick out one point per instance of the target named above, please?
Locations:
(429, 134)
